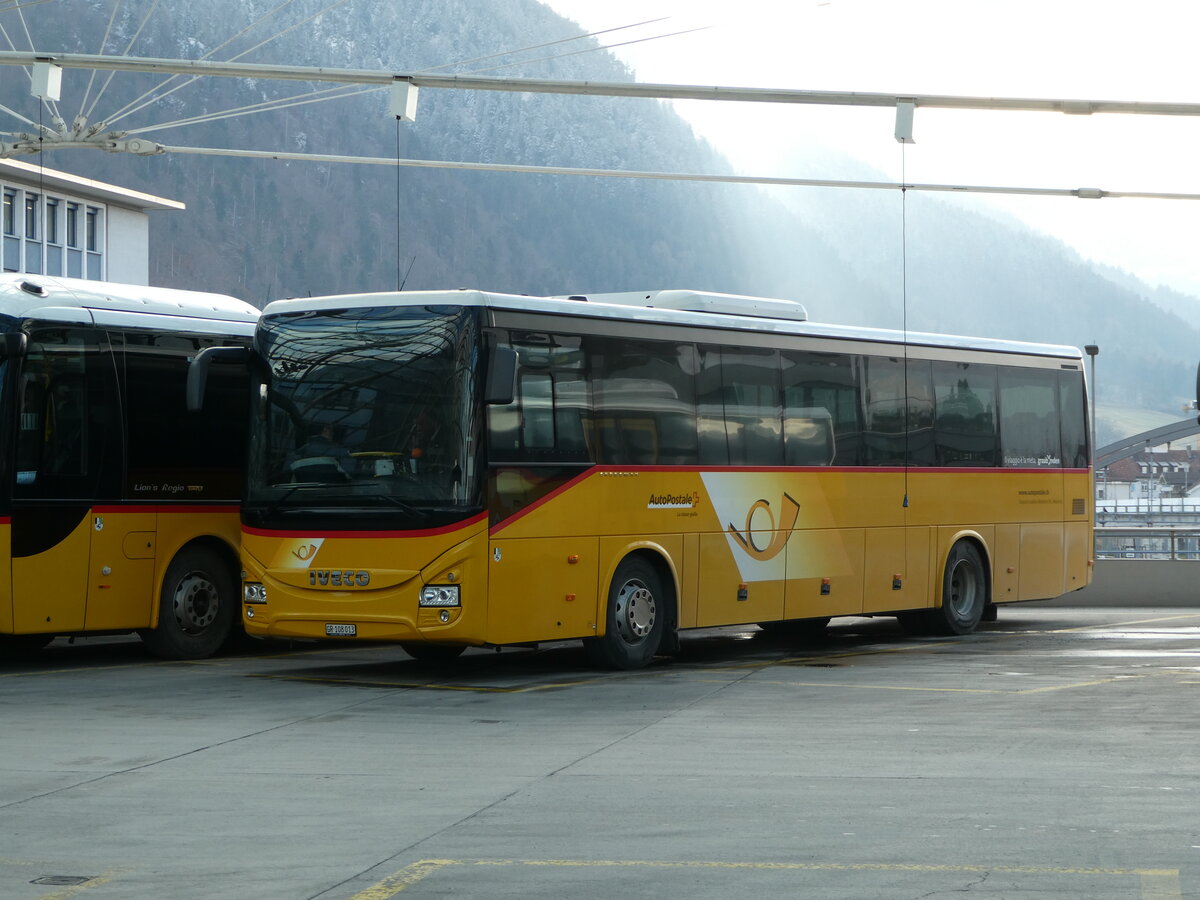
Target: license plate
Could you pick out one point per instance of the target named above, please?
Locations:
(341, 630)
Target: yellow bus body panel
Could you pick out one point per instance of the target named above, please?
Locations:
(734, 546)
(298, 569)
(107, 574)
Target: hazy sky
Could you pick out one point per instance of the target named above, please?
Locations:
(1079, 49)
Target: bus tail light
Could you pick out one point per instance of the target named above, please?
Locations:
(440, 595)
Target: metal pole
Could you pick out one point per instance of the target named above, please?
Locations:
(1093, 351)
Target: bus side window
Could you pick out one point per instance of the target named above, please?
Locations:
(643, 402)
(536, 393)
(1072, 404)
(547, 420)
(67, 445)
(820, 409)
(31, 435)
(753, 417)
(965, 432)
(1030, 436)
(66, 428)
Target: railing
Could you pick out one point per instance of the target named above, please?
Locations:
(1147, 543)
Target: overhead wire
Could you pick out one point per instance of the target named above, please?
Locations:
(103, 43)
(145, 19)
(49, 105)
(18, 5)
(332, 93)
(1081, 193)
(586, 50)
(28, 74)
(265, 106)
(125, 110)
(566, 40)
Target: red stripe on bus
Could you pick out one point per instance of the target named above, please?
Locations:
(526, 510)
(415, 532)
(600, 470)
(172, 508)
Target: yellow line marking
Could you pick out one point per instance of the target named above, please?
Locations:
(1110, 625)
(78, 669)
(66, 891)
(1156, 884)
(1161, 885)
(74, 889)
(949, 690)
(406, 877)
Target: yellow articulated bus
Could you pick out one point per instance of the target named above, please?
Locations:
(119, 507)
(454, 469)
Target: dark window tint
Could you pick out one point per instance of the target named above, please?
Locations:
(1029, 428)
(1073, 405)
(174, 453)
(643, 402)
(965, 431)
(753, 425)
(710, 408)
(820, 409)
(898, 408)
(67, 447)
(548, 418)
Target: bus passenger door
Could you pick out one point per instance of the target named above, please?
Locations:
(121, 569)
(68, 444)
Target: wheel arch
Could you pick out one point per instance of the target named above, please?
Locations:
(655, 555)
(211, 542)
(980, 543)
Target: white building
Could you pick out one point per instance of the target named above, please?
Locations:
(56, 223)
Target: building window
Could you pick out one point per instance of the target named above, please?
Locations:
(52, 204)
(93, 223)
(12, 244)
(74, 252)
(72, 224)
(43, 234)
(95, 267)
(54, 250)
(32, 202)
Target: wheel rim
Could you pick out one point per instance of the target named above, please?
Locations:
(636, 611)
(964, 589)
(196, 603)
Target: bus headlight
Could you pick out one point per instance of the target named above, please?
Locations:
(253, 592)
(440, 595)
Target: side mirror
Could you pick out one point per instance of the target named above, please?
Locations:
(197, 377)
(501, 377)
(13, 344)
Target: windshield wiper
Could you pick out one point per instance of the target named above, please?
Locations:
(414, 511)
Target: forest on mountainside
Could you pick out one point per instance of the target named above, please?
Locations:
(263, 229)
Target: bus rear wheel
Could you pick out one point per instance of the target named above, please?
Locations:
(636, 617)
(964, 593)
(196, 608)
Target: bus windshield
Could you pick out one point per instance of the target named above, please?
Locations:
(367, 419)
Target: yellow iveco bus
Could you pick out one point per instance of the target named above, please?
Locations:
(119, 507)
(454, 469)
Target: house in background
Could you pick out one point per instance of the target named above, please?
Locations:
(1149, 475)
(56, 223)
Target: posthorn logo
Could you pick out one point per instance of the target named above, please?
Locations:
(780, 531)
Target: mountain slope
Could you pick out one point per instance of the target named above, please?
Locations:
(263, 229)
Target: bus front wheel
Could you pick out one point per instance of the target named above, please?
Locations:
(636, 617)
(196, 607)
